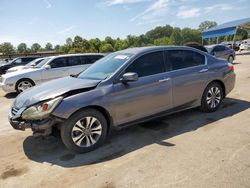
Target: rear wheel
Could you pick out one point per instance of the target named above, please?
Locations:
(23, 85)
(212, 97)
(84, 131)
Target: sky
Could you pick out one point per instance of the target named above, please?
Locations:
(53, 21)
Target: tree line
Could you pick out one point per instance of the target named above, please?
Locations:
(161, 35)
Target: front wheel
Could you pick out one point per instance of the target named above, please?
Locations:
(23, 85)
(212, 97)
(84, 131)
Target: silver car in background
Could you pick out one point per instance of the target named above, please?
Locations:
(221, 51)
(29, 65)
(48, 69)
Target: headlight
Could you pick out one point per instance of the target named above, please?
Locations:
(42, 110)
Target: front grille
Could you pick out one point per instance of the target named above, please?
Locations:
(14, 111)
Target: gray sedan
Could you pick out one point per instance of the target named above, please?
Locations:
(122, 89)
(221, 51)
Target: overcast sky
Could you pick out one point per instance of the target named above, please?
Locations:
(53, 21)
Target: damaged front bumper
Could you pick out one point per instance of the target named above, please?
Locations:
(42, 127)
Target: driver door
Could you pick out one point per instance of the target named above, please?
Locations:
(151, 94)
(58, 68)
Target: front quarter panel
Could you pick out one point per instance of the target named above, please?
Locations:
(71, 104)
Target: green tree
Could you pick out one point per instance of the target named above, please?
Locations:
(22, 48)
(69, 42)
(190, 35)
(176, 38)
(206, 25)
(120, 44)
(57, 48)
(48, 46)
(159, 32)
(77, 42)
(107, 48)
(109, 40)
(7, 48)
(35, 47)
(162, 41)
(96, 44)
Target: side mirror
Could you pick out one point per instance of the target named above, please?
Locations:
(129, 77)
(32, 64)
(47, 67)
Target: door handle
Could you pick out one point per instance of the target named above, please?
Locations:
(203, 70)
(164, 80)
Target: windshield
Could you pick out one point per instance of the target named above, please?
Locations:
(34, 62)
(105, 67)
(43, 62)
(11, 61)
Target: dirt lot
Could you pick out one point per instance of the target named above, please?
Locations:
(188, 149)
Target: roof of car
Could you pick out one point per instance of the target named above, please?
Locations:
(213, 45)
(80, 54)
(150, 48)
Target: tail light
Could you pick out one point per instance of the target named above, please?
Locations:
(230, 67)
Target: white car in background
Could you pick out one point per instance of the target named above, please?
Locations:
(245, 44)
(27, 66)
(48, 69)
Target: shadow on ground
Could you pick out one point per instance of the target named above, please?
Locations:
(52, 151)
(11, 95)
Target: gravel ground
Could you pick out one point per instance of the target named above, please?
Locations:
(188, 149)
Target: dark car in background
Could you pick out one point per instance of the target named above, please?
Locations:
(121, 89)
(16, 62)
(221, 51)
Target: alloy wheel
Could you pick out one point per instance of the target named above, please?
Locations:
(86, 132)
(214, 97)
(24, 85)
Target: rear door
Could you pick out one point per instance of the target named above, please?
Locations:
(58, 69)
(189, 75)
(151, 94)
(75, 65)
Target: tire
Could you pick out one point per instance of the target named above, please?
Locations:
(24, 84)
(76, 137)
(230, 59)
(212, 97)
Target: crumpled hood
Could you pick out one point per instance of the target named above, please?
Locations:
(51, 90)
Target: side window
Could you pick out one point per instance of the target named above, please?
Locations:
(224, 48)
(216, 49)
(59, 62)
(18, 61)
(92, 59)
(73, 61)
(149, 64)
(180, 59)
(84, 60)
(26, 60)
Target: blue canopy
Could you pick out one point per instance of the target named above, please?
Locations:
(228, 28)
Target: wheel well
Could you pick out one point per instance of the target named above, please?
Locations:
(23, 79)
(103, 111)
(222, 85)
